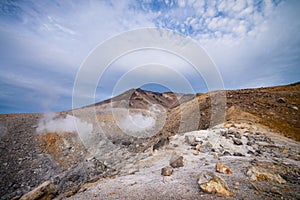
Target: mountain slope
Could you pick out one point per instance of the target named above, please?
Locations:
(120, 132)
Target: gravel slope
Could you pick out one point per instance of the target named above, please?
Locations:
(148, 183)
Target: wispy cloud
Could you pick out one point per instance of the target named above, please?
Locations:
(43, 43)
(222, 19)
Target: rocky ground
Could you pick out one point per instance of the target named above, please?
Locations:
(28, 159)
(232, 161)
(252, 152)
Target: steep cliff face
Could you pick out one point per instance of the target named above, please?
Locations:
(112, 136)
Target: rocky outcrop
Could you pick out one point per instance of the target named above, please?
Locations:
(211, 183)
(257, 173)
(45, 191)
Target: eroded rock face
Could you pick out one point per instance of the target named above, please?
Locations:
(211, 183)
(257, 173)
(224, 169)
(45, 191)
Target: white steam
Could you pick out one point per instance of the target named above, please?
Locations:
(137, 122)
(52, 123)
(142, 121)
(155, 108)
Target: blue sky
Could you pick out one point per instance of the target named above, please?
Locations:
(253, 43)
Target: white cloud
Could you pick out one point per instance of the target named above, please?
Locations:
(239, 5)
(33, 83)
(240, 29)
(246, 12)
(263, 56)
(198, 6)
(226, 6)
(181, 3)
(269, 6)
(238, 34)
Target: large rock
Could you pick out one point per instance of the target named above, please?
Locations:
(224, 169)
(257, 173)
(211, 183)
(176, 161)
(45, 191)
(167, 171)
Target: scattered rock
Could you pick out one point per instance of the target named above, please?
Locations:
(223, 133)
(250, 152)
(176, 161)
(126, 143)
(231, 131)
(162, 142)
(226, 153)
(210, 183)
(292, 107)
(46, 190)
(207, 147)
(258, 151)
(216, 156)
(224, 169)
(237, 154)
(295, 107)
(236, 186)
(250, 143)
(257, 188)
(280, 100)
(95, 195)
(285, 151)
(237, 135)
(190, 140)
(167, 171)
(196, 152)
(133, 170)
(133, 183)
(257, 173)
(197, 139)
(198, 146)
(237, 141)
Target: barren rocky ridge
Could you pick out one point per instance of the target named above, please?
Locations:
(260, 131)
